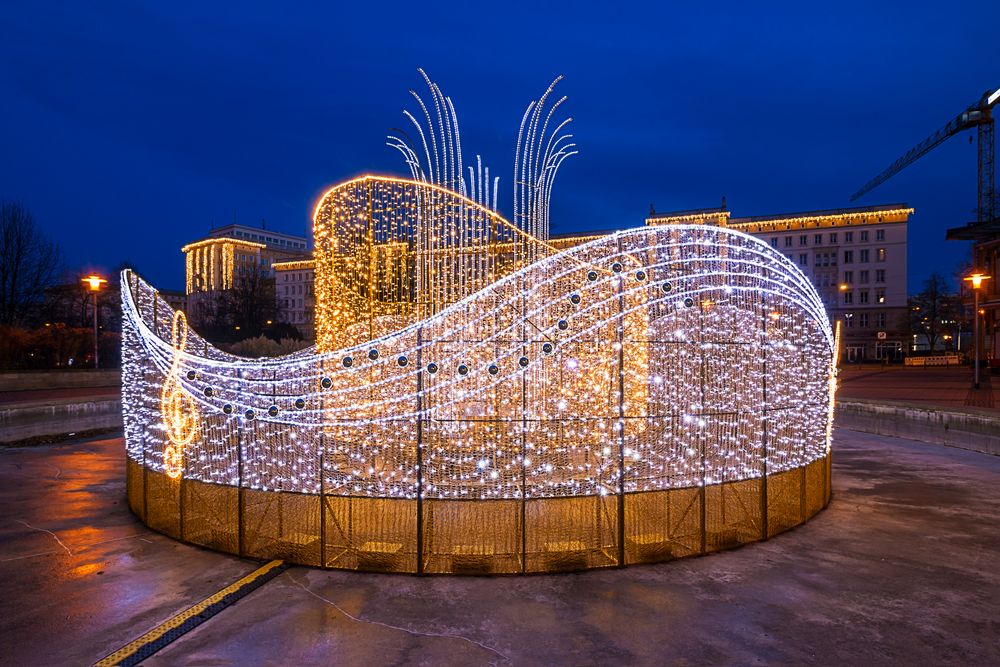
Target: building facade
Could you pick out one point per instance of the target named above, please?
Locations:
(295, 292)
(856, 259)
(230, 253)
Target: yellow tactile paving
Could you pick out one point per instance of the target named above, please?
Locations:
(176, 621)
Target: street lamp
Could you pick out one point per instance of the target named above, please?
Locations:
(94, 282)
(977, 281)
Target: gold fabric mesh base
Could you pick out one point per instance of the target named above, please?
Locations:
(477, 536)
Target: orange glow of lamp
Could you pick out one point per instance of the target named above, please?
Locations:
(976, 279)
(94, 282)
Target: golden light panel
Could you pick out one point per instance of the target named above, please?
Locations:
(480, 402)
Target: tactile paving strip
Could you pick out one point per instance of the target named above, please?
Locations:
(136, 651)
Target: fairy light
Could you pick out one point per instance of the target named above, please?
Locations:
(210, 264)
(691, 375)
(464, 357)
(179, 412)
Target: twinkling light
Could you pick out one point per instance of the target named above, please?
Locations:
(180, 414)
(480, 399)
(738, 315)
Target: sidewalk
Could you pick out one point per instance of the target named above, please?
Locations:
(946, 386)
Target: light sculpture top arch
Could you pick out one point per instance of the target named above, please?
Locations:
(391, 251)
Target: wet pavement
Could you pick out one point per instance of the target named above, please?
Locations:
(59, 393)
(901, 568)
(928, 386)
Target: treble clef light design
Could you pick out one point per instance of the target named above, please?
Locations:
(180, 414)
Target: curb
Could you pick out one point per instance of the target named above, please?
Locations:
(974, 429)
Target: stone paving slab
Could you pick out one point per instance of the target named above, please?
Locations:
(945, 386)
(901, 568)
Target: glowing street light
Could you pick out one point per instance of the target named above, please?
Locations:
(976, 279)
(94, 282)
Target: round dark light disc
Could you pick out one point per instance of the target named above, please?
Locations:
(547, 348)
(562, 324)
(300, 403)
(617, 267)
(348, 362)
(191, 375)
(591, 276)
(463, 369)
(373, 354)
(402, 361)
(666, 287)
(227, 408)
(493, 369)
(574, 299)
(688, 301)
(523, 362)
(326, 383)
(640, 275)
(250, 414)
(432, 368)
(209, 392)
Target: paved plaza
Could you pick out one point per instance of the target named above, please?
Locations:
(931, 386)
(901, 568)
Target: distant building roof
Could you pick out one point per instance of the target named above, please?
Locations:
(826, 213)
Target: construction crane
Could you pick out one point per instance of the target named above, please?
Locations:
(979, 115)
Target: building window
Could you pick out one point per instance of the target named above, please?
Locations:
(849, 319)
(864, 236)
(863, 320)
(880, 275)
(880, 255)
(864, 277)
(848, 298)
(863, 296)
(880, 235)
(880, 296)
(788, 241)
(864, 255)
(833, 237)
(848, 277)
(774, 241)
(803, 259)
(804, 239)
(880, 320)
(818, 239)
(848, 257)
(848, 237)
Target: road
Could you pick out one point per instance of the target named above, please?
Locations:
(901, 568)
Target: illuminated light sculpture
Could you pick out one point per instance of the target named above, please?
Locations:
(480, 400)
(680, 405)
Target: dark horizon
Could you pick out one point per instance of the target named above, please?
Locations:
(132, 132)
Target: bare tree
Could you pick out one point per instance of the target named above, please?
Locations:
(246, 310)
(29, 262)
(933, 309)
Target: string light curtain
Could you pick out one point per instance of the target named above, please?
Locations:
(652, 394)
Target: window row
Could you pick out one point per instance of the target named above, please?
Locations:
(818, 238)
(864, 321)
(863, 297)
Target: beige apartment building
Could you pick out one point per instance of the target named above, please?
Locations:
(293, 288)
(855, 257)
(216, 263)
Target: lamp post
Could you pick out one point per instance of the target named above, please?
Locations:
(977, 281)
(94, 282)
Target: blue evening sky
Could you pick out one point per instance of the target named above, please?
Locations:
(131, 128)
